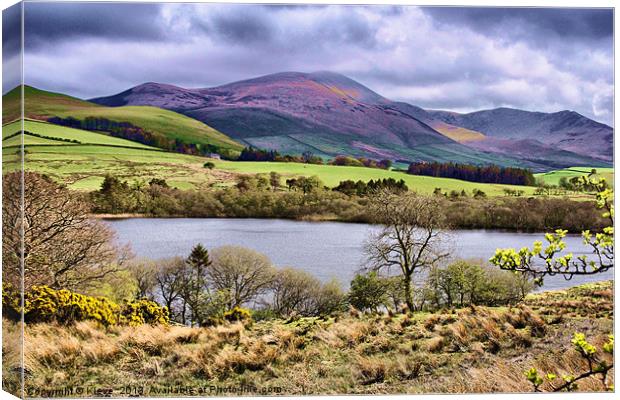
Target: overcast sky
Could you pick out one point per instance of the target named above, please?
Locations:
(460, 59)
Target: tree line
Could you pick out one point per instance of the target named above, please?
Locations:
(474, 173)
(200, 289)
(64, 248)
(266, 196)
(126, 130)
(254, 154)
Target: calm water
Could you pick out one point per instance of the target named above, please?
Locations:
(325, 249)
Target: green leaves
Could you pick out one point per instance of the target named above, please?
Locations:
(601, 243)
(596, 366)
(609, 346)
(533, 376)
(582, 345)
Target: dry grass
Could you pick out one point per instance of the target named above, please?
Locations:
(475, 349)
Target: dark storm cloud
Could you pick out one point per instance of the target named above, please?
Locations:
(11, 30)
(456, 58)
(242, 26)
(537, 24)
(263, 26)
(47, 23)
(11, 44)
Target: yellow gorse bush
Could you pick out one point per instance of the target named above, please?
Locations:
(44, 304)
(238, 314)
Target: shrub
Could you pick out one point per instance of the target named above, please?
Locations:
(465, 283)
(44, 304)
(238, 314)
(144, 312)
(368, 292)
(293, 292)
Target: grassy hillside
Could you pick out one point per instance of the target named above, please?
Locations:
(457, 133)
(553, 177)
(477, 349)
(83, 165)
(40, 104)
(332, 175)
(50, 134)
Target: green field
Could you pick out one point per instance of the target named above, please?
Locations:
(83, 166)
(40, 104)
(61, 133)
(553, 177)
(332, 175)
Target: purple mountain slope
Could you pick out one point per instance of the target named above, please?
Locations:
(565, 130)
(330, 114)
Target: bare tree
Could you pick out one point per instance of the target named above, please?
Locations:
(244, 273)
(170, 282)
(143, 271)
(292, 291)
(410, 238)
(62, 246)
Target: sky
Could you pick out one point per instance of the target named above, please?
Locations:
(459, 59)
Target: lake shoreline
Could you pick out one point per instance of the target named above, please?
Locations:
(317, 219)
(326, 250)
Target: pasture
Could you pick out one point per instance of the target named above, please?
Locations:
(40, 104)
(553, 177)
(83, 165)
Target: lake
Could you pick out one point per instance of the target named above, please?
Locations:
(325, 249)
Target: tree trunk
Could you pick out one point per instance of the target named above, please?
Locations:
(408, 293)
(184, 310)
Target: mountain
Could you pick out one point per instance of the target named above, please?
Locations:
(289, 105)
(41, 105)
(330, 114)
(565, 130)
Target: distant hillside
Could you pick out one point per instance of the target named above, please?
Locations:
(329, 114)
(564, 130)
(40, 104)
(325, 113)
(289, 104)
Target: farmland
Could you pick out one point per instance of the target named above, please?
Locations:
(82, 166)
(49, 134)
(40, 104)
(553, 177)
(82, 158)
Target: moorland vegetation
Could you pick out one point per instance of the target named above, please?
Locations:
(227, 316)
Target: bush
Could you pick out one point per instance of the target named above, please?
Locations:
(329, 299)
(293, 291)
(368, 292)
(463, 283)
(44, 304)
(144, 311)
(10, 302)
(238, 314)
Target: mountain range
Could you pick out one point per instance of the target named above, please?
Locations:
(330, 114)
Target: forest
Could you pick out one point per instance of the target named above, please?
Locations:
(473, 173)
